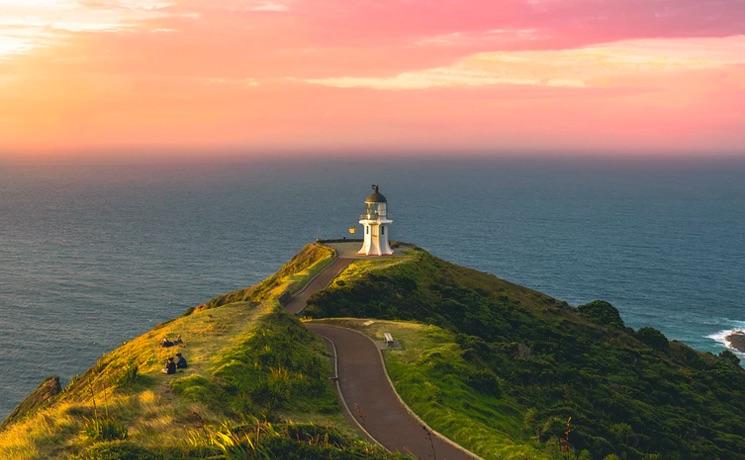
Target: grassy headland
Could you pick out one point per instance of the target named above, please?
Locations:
(503, 370)
(257, 387)
(530, 375)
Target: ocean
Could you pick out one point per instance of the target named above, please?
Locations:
(91, 256)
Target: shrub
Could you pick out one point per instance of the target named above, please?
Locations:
(624, 434)
(653, 338)
(553, 427)
(730, 358)
(602, 313)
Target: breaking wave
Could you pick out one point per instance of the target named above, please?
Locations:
(721, 336)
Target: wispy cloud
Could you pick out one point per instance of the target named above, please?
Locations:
(604, 65)
(496, 72)
(269, 6)
(492, 37)
(26, 25)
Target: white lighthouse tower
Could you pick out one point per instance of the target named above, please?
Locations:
(375, 222)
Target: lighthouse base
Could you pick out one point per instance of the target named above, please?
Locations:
(376, 240)
(364, 252)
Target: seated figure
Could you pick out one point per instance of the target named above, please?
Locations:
(181, 361)
(170, 367)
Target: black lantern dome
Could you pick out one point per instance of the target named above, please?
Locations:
(375, 196)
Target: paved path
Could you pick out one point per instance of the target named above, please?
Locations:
(369, 397)
(373, 402)
(300, 299)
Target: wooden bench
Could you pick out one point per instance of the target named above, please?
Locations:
(388, 339)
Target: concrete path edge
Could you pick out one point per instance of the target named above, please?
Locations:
(343, 400)
(393, 387)
(385, 371)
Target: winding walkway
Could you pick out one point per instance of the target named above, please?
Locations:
(321, 280)
(365, 389)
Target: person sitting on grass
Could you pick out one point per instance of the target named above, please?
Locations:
(180, 361)
(170, 367)
(169, 342)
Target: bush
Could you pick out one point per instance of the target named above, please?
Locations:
(729, 358)
(602, 313)
(553, 427)
(653, 338)
(624, 434)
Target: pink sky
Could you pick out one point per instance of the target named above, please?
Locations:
(635, 76)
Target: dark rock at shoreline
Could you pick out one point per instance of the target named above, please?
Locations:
(737, 341)
(47, 390)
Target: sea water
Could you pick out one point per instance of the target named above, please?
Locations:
(91, 256)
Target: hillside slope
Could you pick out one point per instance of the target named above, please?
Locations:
(257, 387)
(503, 370)
(536, 370)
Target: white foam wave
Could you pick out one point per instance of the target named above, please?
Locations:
(721, 337)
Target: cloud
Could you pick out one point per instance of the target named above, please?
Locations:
(491, 37)
(603, 65)
(269, 6)
(184, 71)
(27, 25)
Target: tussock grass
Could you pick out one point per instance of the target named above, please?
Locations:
(247, 358)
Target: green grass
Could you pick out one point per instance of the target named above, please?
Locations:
(287, 280)
(437, 383)
(249, 362)
(497, 367)
(629, 393)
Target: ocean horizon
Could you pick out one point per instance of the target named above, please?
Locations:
(91, 256)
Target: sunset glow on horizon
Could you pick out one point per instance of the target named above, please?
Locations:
(298, 75)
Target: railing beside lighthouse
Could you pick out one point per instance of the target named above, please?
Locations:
(373, 216)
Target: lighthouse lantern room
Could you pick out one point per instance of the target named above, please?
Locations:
(375, 222)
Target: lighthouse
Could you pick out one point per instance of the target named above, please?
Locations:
(375, 222)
